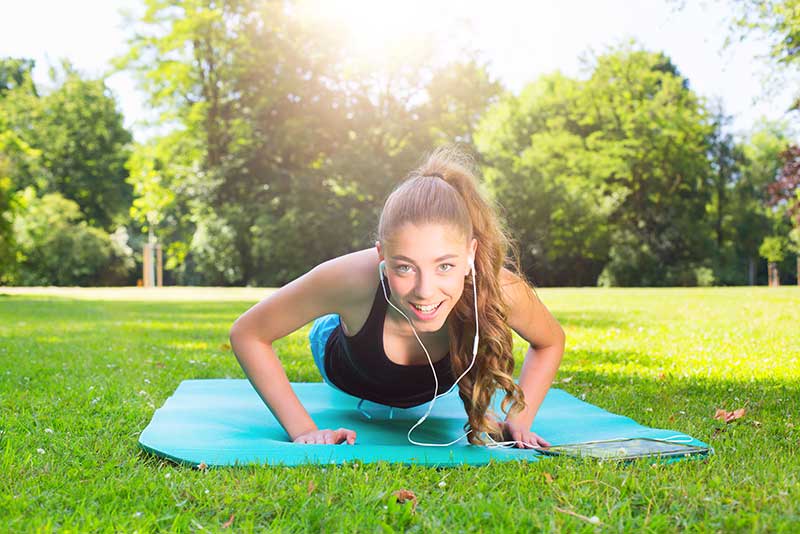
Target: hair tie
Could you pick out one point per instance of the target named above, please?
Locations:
(435, 175)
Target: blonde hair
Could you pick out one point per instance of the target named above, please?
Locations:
(444, 190)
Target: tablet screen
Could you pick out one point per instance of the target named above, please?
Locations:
(626, 449)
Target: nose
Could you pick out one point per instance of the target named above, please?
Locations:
(424, 288)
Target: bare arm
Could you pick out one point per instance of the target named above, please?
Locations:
(322, 290)
(534, 322)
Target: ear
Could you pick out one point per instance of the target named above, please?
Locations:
(379, 250)
(473, 249)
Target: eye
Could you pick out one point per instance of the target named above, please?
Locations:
(446, 267)
(403, 269)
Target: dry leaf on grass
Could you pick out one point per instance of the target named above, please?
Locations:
(727, 416)
(548, 477)
(228, 523)
(202, 466)
(225, 346)
(406, 495)
(311, 487)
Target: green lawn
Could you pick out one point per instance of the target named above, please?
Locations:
(81, 372)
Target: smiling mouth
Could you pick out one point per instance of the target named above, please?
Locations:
(427, 309)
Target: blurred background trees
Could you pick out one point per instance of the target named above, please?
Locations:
(278, 146)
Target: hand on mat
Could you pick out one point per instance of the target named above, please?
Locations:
(525, 438)
(328, 437)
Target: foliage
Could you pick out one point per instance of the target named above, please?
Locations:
(214, 250)
(57, 247)
(785, 190)
(773, 248)
(303, 151)
(84, 147)
(68, 142)
(280, 143)
(603, 174)
(779, 20)
(15, 154)
(15, 73)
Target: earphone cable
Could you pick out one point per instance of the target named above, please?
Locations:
(436, 394)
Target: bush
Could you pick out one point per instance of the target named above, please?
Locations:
(213, 251)
(55, 246)
(632, 263)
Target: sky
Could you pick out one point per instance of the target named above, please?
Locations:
(520, 40)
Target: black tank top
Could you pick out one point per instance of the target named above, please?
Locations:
(358, 365)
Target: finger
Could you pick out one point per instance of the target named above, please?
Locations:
(538, 441)
(328, 438)
(518, 441)
(529, 439)
(339, 435)
(534, 444)
(344, 435)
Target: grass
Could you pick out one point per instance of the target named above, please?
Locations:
(81, 372)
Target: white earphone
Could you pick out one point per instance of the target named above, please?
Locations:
(471, 263)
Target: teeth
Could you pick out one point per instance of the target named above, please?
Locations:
(426, 309)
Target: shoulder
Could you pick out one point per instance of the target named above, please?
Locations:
(351, 278)
(527, 315)
(339, 285)
(515, 289)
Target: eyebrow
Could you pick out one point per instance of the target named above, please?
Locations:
(437, 260)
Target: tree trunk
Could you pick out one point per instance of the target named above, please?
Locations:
(751, 271)
(798, 269)
(774, 277)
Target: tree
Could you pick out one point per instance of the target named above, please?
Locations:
(458, 94)
(15, 73)
(607, 174)
(287, 138)
(82, 142)
(773, 249)
(751, 218)
(784, 193)
(779, 22)
(550, 186)
(16, 156)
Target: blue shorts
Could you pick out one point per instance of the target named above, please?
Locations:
(318, 337)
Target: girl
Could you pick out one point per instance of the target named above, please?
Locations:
(406, 310)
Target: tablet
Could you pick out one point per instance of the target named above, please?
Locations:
(625, 449)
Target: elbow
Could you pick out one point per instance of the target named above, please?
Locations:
(241, 333)
(236, 333)
(561, 343)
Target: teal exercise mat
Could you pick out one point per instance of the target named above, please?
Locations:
(224, 422)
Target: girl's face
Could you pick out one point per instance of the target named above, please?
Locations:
(426, 266)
